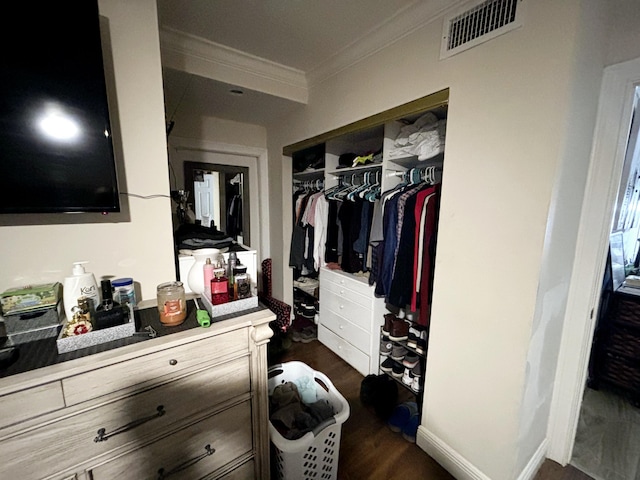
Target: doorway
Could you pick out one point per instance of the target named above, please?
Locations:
(615, 113)
(607, 443)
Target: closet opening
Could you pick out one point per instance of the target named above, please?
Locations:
(365, 201)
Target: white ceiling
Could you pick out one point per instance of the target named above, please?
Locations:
(315, 37)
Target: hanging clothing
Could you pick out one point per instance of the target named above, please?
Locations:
(402, 261)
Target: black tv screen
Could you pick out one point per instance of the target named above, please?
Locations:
(56, 152)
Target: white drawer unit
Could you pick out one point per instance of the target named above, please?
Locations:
(193, 404)
(350, 318)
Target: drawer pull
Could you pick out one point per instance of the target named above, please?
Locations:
(104, 436)
(173, 361)
(207, 451)
(341, 307)
(341, 292)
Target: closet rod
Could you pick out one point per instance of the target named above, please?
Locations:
(401, 173)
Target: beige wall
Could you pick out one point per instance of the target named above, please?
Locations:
(510, 133)
(42, 247)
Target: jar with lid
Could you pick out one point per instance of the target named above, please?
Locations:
(241, 285)
(124, 291)
(172, 305)
(219, 287)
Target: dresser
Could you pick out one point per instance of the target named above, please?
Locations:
(350, 319)
(615, 359)
(191, 404)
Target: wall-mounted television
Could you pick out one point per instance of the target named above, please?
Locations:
(56, 151)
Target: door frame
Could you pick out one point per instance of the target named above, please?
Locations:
(615, 109)
(258, 172)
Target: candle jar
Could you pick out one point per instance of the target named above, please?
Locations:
(172, 305)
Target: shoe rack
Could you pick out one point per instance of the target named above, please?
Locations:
(403, 349)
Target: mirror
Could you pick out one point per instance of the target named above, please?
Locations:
(218, 195)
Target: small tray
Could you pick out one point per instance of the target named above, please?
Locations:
(229, 307)
(96, 337)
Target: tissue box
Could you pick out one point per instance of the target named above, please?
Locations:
(96, 337)
(30, 298)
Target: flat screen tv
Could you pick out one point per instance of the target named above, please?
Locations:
(56, 151)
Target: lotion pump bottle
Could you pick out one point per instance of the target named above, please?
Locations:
(80, 284)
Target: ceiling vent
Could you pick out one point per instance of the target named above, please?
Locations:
(484, 21)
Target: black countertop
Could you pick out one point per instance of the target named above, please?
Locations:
(43, 353)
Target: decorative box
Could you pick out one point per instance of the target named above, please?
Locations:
(35, 325)
(30, 298)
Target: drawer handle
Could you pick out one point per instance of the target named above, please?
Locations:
(207, 451)
(341, 307)
(341, 327)
(173, 361)
(341, 292)
(104, 436)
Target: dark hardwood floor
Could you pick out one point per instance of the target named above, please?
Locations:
(368, 448)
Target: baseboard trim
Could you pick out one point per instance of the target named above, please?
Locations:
(452, 461)
(535, 462)
(460, 467)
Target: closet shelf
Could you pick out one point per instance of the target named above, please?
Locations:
(309, 173)
(360, 168)
(412, 161)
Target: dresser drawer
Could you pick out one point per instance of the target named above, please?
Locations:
(341, 291)
(357, 284)
(243, 472)
(147, 368)
(344, 307)
(72, 440)
(19, 406)
(192, 452)
(344, 349)
(346, 330)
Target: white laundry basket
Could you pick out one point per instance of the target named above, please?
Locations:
(315, 455)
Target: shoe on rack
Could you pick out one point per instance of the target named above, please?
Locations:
(385, 346)
(407, 379)
(422, 342)
(410, 428)
(399, 330)
(416, 372)
(410, 360)
(387, 365)
(413, 336)
(388, 322)
(397, 370)
(401, 416)
(398, 352)
(416, 385)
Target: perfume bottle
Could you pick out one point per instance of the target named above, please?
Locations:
(109, 313)
(219, 287)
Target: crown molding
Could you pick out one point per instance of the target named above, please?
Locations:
(198, 56)
(403, 23)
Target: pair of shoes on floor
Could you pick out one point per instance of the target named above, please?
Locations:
(379, 392)
(306, 335)
(405, 419)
